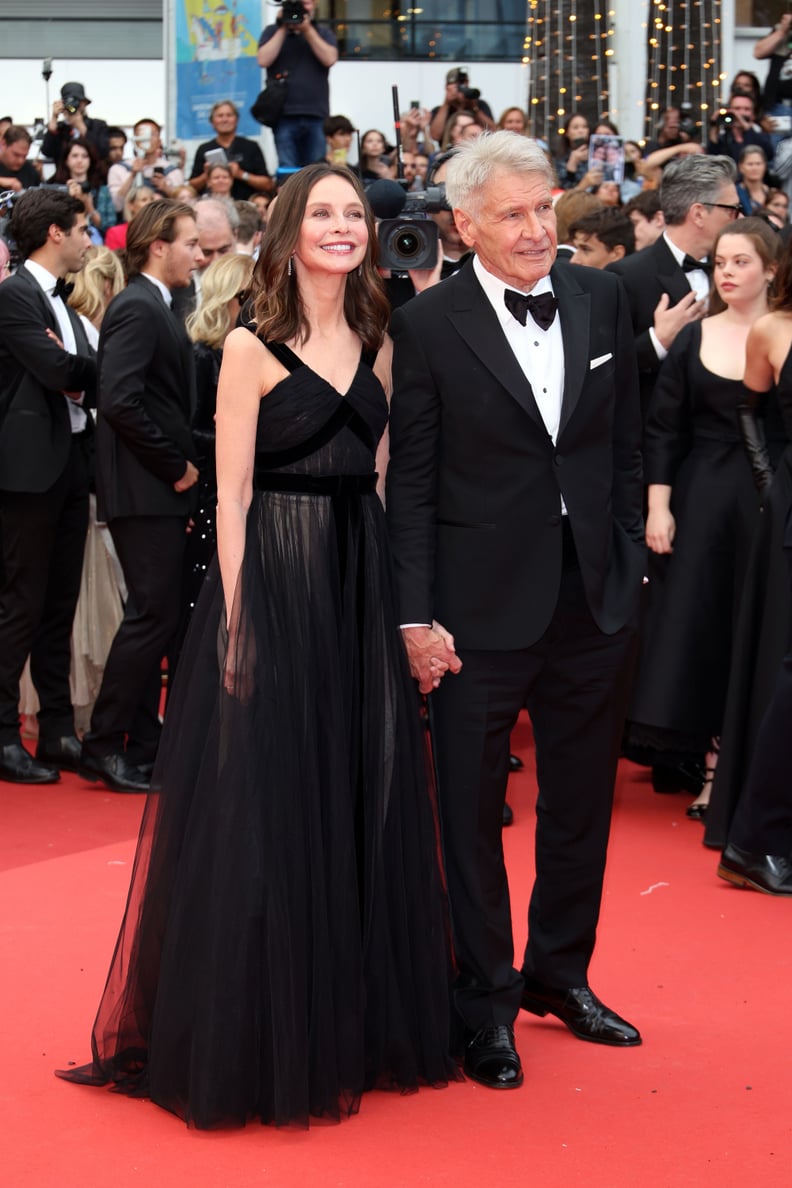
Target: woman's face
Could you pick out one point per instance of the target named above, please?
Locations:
(742, 82)
(514, 120)
(779, 203)
(738, 270)
(334, 236)
(608, 193)
(753, 167)
(219, 181)
(78, 161)
(577, 128)
(373, 144)
(460, 124)
(141, 199)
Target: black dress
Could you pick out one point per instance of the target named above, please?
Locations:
(693, 444)
(285, 943)
(202, 540)
(763, 631)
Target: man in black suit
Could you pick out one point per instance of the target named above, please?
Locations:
(514, 504)
(668, 283)
(145, 468)
(47, 375)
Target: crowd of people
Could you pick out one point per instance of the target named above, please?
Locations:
(229, 443)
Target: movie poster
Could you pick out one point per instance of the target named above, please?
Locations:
(216, 43)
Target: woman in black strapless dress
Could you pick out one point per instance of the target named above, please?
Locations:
(285, 944)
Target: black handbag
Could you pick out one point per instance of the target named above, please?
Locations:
(269, 105)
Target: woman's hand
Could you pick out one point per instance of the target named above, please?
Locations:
(660, 530)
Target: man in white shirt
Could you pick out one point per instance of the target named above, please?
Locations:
(47, 375)
(514, 507)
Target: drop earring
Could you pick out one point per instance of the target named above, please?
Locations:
(289, 272)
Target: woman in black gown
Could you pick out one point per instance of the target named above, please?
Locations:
(285, 943)
(759, 849)
(702, 512)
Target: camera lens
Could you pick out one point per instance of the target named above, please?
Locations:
(406, 243)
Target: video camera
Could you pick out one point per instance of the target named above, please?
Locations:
(292, 13)
(407, 236)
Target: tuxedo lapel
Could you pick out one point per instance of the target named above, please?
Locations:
(669, 273)
(574, 310)
(181, 354)
(40, 297)
(474, 320)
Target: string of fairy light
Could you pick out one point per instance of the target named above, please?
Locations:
(569, 44)
(684, 59)
(568, 48)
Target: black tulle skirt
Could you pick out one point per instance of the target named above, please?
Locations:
(285, 944)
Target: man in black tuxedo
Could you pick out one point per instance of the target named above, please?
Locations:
(514, 504)
(668, 283)
(145, 468)
(47, 377)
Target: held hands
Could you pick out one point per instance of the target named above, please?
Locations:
(660, 530)
(431, 654)
(668, 322)
(188, 479)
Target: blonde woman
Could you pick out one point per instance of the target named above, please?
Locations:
(223, 286)
(115, 238)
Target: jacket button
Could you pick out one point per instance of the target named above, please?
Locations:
(559, 459)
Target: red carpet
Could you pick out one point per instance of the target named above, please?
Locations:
(702, 968)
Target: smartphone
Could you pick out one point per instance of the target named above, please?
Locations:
(414, 104)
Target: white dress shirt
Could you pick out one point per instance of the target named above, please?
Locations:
(167, 296)
(47, 282)
(699, 282)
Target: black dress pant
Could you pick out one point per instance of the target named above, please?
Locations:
(762, 823)
(126, 714)
(42, 536)
(574, 682)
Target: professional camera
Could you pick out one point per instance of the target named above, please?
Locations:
(292, 12)
(687, 121)
(406, 235)
(471, 93)
(460, 77)
(71, 103)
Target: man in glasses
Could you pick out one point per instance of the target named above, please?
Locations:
(668, 282)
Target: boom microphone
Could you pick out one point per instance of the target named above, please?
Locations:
(386, 198)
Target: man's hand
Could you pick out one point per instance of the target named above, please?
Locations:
(424, 278)
(188, 479)
(668, 322)
(431, 654)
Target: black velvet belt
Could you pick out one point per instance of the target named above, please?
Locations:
(309, 484)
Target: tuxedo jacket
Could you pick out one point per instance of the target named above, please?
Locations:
(146, 403)
(646, 276)
(35, 428)
(475, 482)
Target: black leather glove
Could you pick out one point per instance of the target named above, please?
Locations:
(750, 414)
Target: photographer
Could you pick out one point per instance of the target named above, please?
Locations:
(68, 121)
(303, 52)
(16, 172)
(149, 167)
(460, 96)
(734, 129)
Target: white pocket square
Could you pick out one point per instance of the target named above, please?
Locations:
(600, 360)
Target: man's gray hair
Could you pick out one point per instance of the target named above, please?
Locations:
(693, 179)
(472, 167)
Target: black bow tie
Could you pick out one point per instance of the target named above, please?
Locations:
(542, 308)
(690, 264)
(62, 289)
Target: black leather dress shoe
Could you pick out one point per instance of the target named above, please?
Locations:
(582, 1012)
(64, 752)
(515, 763)
(762, 872)
(508, 814)
(114, 770)
(19, 767)
(491, 1058)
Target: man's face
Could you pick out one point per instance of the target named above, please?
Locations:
(410, 167)
(216, 239)
(182, 255)
(591, 251)
(671, 122)
(72, 245)
(513, 232)
(14, 155)
(646, 230)
(147, 139)
(453, 247)
(742, 107)
(116, 151)
(224, 120)
(717, 214)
